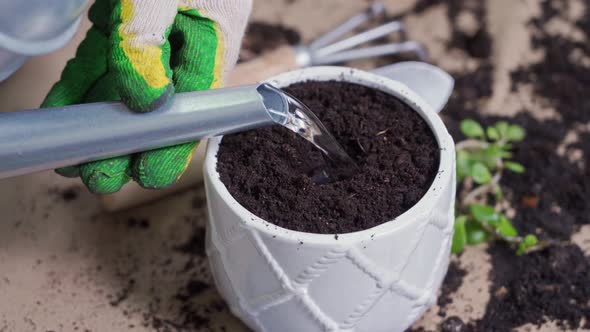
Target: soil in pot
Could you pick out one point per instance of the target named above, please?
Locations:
(269, 170)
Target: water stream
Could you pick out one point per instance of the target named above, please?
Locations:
(302, 121)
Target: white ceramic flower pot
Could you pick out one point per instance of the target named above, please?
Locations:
(378, 279)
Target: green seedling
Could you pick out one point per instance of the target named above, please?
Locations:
(481, 160)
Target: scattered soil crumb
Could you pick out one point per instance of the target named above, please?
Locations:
(143, 223)
(195, 245)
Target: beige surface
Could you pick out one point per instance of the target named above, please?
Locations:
(62, 263)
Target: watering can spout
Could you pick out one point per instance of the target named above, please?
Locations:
(35, 140)
(41, 139)
(275, 102)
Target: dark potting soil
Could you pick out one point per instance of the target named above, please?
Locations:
(551, 285)
(70, 194)
(261, 37)
(550, 180)
(547, 285)
(195, 245)
(477, 44)
(268, 170)
(67, 195)
(142, 223)
(562, 82)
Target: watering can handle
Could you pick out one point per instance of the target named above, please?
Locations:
(35, 140)
(431, 83)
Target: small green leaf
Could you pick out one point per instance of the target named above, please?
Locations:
(515, 133)
(471, 128)
(498, 193)
(492, 151)
(491, 154)
(463, 165)
(475, 234)
(515, 167)
(505, 227)
(529, 241)
(502, 128)
(506, 154)
(480, 173)
(459, 237)
(484, 213)
(493, 133)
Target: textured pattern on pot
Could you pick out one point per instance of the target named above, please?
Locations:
(378, 279)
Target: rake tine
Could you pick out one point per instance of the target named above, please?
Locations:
(373, 11)
(374, 51)
(361, 38)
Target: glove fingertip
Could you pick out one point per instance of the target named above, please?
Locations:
(161, 168)
(99, 183)
(153, 178)
(68, 171)
(106, 176)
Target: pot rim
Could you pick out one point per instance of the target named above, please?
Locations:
(327, 73)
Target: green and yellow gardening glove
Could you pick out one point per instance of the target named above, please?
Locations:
(141, 52)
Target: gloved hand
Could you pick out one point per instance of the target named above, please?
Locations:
(141, 52)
